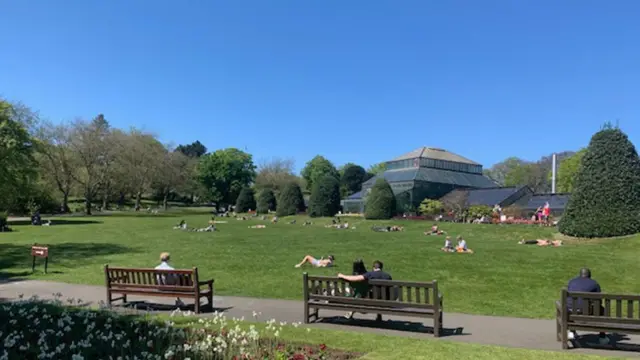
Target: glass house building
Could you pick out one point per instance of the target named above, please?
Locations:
(425, 172)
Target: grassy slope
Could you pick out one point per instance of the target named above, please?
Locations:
(501, 278)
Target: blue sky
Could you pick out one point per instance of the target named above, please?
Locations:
(356, 81)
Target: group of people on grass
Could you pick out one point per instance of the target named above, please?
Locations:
(183, 226)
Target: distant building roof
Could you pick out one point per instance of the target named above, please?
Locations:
(435, 153)
(435, 176)
(355, 196)
(556, 202)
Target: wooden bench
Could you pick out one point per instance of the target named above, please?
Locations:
(165, 283)
(598, 312)
(389, 297)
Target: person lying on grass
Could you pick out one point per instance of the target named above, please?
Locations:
(292, 222)
(541, 242)
(307, 223)
(462, 246)
(257, 226)
(434, 231)
(376, 274)
(387, 228)
(181, 226)
(317, 263)
(448, 245)
(338, 226)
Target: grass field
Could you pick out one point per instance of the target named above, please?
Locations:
(501, 278)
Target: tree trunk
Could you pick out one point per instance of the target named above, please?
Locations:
(87, 202)
(65, 202)
(121, 200)
(165, 201)
(138, 199)
(105, 202)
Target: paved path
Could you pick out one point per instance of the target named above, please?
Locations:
(503, 331)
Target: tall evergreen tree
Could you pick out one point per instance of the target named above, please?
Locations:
(325, 197)
(290, 201)
(381, 202)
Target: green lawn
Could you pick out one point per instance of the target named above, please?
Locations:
(501, 278)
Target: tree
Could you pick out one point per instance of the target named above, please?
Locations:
(193, 150)
(456, 202)
(529, 174)
(266, 201)
(316, 168)
(274, 174)
(290, 201)
(376, 169)
(499, 171)
(431, 207)
(606, 198)
(92, 143)
(381, 203)
(57, 160)
(325, 197)
(172, 175)
(567, 171)
(246, 200)
(224, 173)
(352, 178)
(16, 157)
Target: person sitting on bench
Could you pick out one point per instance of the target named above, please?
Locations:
(541, 242)
(317, 263)
(434, 231)
(584, 283)
(164, 279)
(357, 289)
(448, 245)
(376, 274)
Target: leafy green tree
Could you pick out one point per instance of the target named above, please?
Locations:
(325, 197)
(376, 169)
(290, 201)
(224, 173)
(16, 156)
(381, 202)
(352, 177)
(266, 201)
(567, 171)
(193, 150)
(478, 211)
(246, 200)
(605, 201)
(316, 168)
(431, 207)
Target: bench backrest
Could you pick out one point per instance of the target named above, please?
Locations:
(601, 307)
(393, 293)
(181, 279)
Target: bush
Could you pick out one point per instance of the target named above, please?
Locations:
(266, 202)
(290, 201)
(478, 211)
(3, 221)
(325, 197)
(431, 207)
(606, 197)
(381, 203)
(246, 200)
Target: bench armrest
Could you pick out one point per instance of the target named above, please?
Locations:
(558, 305)
(206, 282)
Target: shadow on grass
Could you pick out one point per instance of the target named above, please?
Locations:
(55, 222)
(67, 254)
(155, 307)
(591, 341)
(398, 325)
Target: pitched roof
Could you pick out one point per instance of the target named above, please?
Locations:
(556, 201)
(435, 153)
(435, 176)
(504, 196)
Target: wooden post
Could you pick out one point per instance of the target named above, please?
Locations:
(564, 311)
(107, 283)
(437, 310)
(305, 295)
(196, 284)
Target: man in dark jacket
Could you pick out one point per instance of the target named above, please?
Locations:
(583, 283)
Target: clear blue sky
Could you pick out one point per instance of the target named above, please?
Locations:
(360, 81)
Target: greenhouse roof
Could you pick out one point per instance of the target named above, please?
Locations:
(435, 176)
(435, 153)
(556, 201)
(504, 196)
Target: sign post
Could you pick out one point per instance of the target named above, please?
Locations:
(41, 252)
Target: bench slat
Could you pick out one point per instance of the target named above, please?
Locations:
(418, 295)
(374, 310)
(159, 287)
(368, 302)
(145, 270)
(602, 319)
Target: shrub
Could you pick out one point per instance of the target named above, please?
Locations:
(246, 200)
(381, 203)
(431, 207)
(290, 201)
(3, 221)
(325, 197)
(606, 197)
(478, 211)
(266, 201)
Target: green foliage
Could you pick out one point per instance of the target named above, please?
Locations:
(352, 178)
(376, 169)
(606, 197)
(193, 150)
(478, 211)
(317, 168)
(290, 201)
(325, 197)
(431, 207)
(381, 202)
(246, 200)
(266, 201)
(224, 173)
(567, 172)
(3, 220)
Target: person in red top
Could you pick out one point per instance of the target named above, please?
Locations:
(546, 211)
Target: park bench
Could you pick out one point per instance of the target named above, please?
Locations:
(598, 312)
(389, 297)
(152, 282)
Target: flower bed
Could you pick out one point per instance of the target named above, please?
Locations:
(35, 329)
